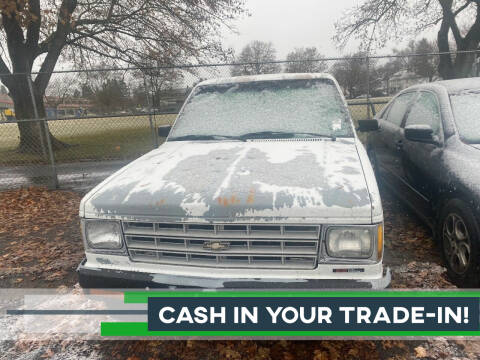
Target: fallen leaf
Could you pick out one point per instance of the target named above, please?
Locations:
(420, 352)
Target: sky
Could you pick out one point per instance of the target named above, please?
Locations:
(289, 24)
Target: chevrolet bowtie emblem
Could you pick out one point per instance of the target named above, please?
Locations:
(216, 245)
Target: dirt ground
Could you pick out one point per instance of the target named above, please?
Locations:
(40, 246)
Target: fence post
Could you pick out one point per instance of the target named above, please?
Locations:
(149, 104)
(54, 184)
(35, 113)
(368, 87)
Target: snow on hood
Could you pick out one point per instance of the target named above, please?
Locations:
(235, 181)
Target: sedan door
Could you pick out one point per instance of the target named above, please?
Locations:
(387, 142)
(422, 161)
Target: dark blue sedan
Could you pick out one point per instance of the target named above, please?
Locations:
(426, 149)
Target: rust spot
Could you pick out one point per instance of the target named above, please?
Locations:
(227, 201)
(251, 196)
(160, 203)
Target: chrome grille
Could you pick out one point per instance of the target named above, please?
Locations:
(223, 245)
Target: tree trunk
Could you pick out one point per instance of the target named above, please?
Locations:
(445, 65)
(33, 133)
(463, 64)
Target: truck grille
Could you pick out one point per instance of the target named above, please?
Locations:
(223, 245)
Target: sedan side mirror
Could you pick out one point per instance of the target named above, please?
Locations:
(367, 125)
(164, 130)
(420, 133)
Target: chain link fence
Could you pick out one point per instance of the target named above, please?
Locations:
(91, 122)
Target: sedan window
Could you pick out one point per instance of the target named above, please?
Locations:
(399, 107)
(425, 111)
(466, 109)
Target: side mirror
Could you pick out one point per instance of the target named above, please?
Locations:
(164, 130)
(420, 133)
(367, 125)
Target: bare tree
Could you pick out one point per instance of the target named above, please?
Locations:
(403, 58)
(351, 74)
(113, 95)
(36, 33)
(425, 66)
(301, 61)
(375, 22)
(158, 78)
(59, 89)
(256, 58)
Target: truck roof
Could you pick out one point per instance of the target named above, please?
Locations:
(266, 77)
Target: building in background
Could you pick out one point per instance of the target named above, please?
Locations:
(403, 79)
(58, 108)
(6, 108)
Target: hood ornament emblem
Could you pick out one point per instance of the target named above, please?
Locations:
(216, 245)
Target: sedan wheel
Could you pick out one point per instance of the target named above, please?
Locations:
(456, 243)
(458, 233)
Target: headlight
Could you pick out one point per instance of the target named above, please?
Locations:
(350, 242)
(102, 234)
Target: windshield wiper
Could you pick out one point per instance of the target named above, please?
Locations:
(204, 137)
(282, 135)
(254, 135)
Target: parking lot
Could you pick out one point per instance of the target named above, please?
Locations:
(41, 247)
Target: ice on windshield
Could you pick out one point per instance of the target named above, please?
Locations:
(290, 106)
(466, 110)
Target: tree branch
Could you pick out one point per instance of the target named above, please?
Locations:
(6, 75)
(445, 66)
(33, 29)
(110, 10)
(15, 40)
(463, 7)
(55, 45)
(473, 35)
(449, 17)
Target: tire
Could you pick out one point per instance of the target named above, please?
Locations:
(459, 238)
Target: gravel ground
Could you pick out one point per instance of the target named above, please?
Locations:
(51, 248)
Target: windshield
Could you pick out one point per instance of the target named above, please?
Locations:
(264, 109)
(466, 110)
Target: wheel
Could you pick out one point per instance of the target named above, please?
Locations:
(458, 233)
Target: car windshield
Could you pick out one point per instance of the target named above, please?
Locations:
(264, 109)
(466, 110)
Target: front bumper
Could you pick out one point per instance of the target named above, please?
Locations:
(118, 279)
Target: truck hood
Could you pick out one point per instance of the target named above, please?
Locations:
(285, 180)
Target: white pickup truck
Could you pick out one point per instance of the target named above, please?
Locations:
(261, 183)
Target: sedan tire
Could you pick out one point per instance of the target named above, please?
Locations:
(458, 232)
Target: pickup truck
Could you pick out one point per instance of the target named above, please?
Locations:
(261, 183)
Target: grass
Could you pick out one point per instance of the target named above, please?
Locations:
(89, 139)
(122, 138)
(360, 112)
